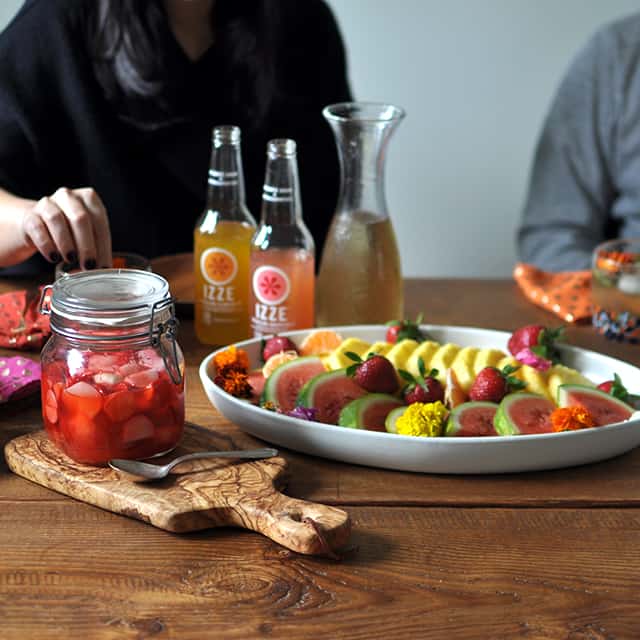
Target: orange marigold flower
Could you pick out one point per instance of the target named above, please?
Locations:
(571, 419)
(235, 382)
(231, 358)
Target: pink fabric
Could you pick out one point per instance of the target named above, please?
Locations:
(19, 377)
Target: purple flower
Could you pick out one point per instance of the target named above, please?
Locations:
(526, 356)
(303, 413)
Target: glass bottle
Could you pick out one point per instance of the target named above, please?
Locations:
(222, 240)
(112, 371)
(360, 279)
(282, 251)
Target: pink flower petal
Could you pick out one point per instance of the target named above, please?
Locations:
(526, 356)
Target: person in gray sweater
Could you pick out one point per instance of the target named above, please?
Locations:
(585, 181)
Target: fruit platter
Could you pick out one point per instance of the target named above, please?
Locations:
(429, 398)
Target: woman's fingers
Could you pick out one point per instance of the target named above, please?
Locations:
(36, 230)
(100, 221)
(80, 221)
(71, 225)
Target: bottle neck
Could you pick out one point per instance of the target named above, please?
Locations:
(281, 204)
(225, 192)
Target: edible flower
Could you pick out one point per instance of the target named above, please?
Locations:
(422, 419)
(571, 419)
(304, 413)
(231, 358)
(527, 356)
(235, 382)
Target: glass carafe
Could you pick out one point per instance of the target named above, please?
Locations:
(360, 279)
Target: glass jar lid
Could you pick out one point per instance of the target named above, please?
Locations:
(109, 299)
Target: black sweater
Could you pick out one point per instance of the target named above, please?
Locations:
(57, 128)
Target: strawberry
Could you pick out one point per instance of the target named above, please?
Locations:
(537, 339)
(402, 329)
(375, 374)
(276, 344)
(424, 387)
(491, 384)
(615, 388)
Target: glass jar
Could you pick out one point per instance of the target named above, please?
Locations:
(112, 371)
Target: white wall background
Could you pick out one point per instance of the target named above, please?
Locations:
(476, 78)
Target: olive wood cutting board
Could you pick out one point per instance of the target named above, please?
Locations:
(196, 495)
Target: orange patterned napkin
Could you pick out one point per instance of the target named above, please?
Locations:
(567, 294)
(22, 326)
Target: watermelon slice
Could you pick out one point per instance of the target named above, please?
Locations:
(605, 408)
(329, 393)
(472, 419)
(369, 412)
(284, 384)
(524, 413)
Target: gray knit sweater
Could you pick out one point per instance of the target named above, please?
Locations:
(585, 180)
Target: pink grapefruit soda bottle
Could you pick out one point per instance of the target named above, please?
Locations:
(282, 262)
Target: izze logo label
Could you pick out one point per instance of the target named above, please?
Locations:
(218, 266)
(271, 285)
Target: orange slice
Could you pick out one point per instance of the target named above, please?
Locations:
(320, 343)
(276, 360)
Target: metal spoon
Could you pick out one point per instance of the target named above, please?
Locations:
(157, 472)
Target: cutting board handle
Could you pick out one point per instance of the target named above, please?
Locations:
(304, 527)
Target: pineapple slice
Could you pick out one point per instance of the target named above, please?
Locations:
(501, 364)
(380, 348)
(426, 351)
(536, 381)
(559, 374)
(462, 365)
(400, 352)
(443, 358)
(487, 358)
(337, 358)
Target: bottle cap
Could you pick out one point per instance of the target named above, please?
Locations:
(281, 147)
(226, 134)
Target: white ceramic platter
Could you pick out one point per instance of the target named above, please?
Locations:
(498, 454)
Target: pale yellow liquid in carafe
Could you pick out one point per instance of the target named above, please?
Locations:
(360, 280)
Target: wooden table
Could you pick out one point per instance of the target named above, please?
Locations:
(540, 555)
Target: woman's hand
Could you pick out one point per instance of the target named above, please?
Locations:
(70, 225)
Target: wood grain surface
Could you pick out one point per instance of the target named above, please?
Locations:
(197, 495)
(550, 555)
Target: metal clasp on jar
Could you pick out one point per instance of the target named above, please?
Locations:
(167, 329)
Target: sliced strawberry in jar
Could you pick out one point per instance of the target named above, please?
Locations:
(129, 368)
(137, 428)
(120, 406)
(102, 362)
(86, 439)
(142, 378)
(51, 407)
(83, 398)
(107, 379)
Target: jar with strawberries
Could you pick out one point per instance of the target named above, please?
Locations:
(112, 371)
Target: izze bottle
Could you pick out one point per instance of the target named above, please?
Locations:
(282, 251)
(222, 242)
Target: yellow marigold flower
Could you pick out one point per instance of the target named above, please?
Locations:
(423, 419)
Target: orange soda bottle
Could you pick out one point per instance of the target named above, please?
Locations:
(222, 241)
(282, 250)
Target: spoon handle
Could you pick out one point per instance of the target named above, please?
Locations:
(252, 454)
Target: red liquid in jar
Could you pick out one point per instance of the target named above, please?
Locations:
(119, 404)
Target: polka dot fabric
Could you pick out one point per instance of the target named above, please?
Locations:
(19, 377)
(567, 294)
(22, 326)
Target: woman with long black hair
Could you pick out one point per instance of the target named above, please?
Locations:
(106, 109)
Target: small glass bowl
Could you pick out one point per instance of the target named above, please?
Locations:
(616, 289)
(121, 260)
